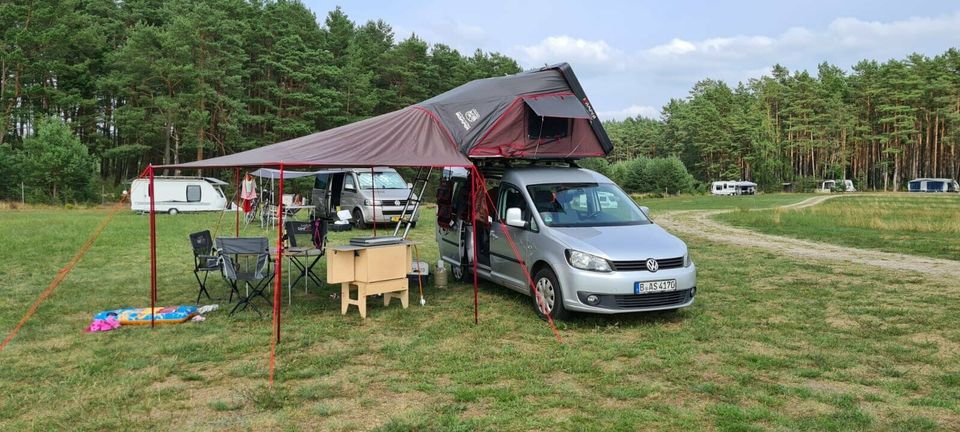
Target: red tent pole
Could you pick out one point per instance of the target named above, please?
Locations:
(373, 188)
(473, 220)
(277, 288)
(153, 246)
(236, 177)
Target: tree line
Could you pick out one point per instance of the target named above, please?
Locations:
(881, 125)
(172, 81)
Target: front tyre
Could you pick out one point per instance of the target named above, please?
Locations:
(358, 219)
(173, 212)
(548, 297)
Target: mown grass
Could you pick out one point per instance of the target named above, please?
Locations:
(927, 225)
(772, 343)
(711, 202)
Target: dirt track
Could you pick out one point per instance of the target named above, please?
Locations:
(699, 223)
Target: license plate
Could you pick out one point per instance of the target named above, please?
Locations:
(395, 219)
(654, 286)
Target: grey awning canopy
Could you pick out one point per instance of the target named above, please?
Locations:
(564, 106)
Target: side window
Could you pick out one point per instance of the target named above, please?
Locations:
(511, 197)
(349, 182)
(193, 193)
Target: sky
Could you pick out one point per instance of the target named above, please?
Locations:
(632, 57)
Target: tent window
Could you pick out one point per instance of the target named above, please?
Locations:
(193, 193)
(546, 127)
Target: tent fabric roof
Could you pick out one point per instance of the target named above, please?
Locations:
(408, 137)
(481, 118)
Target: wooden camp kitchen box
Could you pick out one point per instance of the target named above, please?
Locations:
(370, 270)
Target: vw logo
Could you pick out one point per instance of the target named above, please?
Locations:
(653, 265)
(396, 203)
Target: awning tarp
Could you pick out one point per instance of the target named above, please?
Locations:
(480, 119)
(564, 106)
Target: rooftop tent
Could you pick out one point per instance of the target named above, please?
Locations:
(537, 114)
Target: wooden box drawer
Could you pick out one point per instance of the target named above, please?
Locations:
(382, 263)
(340, 266)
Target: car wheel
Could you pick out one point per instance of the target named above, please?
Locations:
(358, 219)
(548, 296)
(173, 212)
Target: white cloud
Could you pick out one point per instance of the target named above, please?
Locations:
(676, 46)
(580, 52)
(630, 111)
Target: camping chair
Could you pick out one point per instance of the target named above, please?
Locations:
(204, 261)
(301, 236)
(256, 279)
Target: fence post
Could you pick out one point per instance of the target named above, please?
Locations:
(22, 199)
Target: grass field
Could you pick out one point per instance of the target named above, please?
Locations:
(711, 202)
(771, 344)
(927, 225)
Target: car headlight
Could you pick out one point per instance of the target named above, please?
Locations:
(686, 260)
(585, 261)
(371, 202)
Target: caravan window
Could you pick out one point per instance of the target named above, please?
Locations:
(718, 187)
(193, 193)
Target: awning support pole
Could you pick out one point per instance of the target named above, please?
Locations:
(153, 247)
(277, 288)
(236, 177)
(373, 189)
(473, 223)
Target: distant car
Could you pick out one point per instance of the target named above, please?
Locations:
(352, 189)
(587, 246)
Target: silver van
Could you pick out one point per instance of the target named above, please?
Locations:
(587, 245)
(353, 189)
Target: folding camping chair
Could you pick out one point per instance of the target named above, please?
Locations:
(256, 279)
(304, 239)
(204, 260)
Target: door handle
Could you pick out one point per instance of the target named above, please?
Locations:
(494, 235)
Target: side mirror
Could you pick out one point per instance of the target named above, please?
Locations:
(348, 186)
(645, 210)
(409, 185)
(515, 219)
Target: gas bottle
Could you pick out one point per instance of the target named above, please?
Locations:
(440, 275)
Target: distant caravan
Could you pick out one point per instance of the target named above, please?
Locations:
(178, 194)
(829, 186)
(933, 185)
(733, 188)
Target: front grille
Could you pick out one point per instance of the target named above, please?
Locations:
(652, 299)
(665, 263)
(393, 212)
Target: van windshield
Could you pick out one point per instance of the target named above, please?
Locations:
(585, 205)
(384, 180)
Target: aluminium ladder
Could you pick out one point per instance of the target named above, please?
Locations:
(409, 214)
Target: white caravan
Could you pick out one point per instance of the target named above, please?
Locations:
(178, 194)
(733, 188)
(830, 185)
(933, 185)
